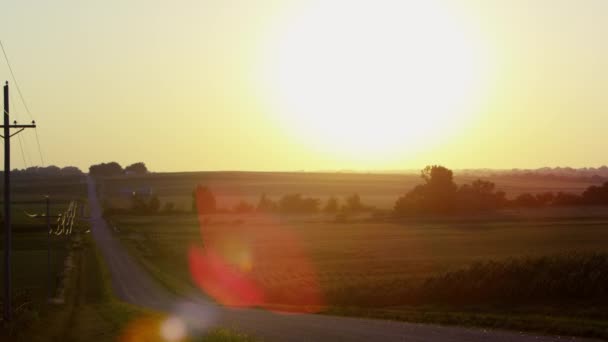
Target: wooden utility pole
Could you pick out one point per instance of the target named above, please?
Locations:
(7, 202)
(48, 249)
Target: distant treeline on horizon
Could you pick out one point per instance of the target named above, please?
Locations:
(589, 174)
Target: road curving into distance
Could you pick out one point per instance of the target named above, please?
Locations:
(131, 283)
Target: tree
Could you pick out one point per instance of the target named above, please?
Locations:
(332, 205)
(526, 200)
(70, 170)
(265, 204)
(153, 205)
(436, 195)
(243, 207)
(105, 169)
(295, 203)
(138, 204)
(596, 195)
(203, 200)
(545, 198)
(353, 204)
(137, 168)
(478, 196)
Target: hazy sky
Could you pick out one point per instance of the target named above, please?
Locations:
(311, 85)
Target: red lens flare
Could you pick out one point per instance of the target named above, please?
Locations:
(262, 264)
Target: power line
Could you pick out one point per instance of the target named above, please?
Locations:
(10, 69)
(20, 139)
(27, 109)
(22, 154)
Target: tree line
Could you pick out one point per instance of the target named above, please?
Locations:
(439, 194)
(204, 202)
(115, 169)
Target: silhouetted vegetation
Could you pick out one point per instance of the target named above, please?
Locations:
(50, 170)
(136, 168)
(353, 204)
(114, 169)
(106, 169)
(243, 207)
(332, 205)
(296, 203)
(440, 195)
(203, 201)
(265, 204)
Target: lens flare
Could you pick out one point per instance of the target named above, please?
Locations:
(173, 329)
(236, 268)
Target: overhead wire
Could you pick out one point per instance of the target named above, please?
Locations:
(20, 140)
(27, 109)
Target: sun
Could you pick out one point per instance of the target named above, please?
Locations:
(372, 80)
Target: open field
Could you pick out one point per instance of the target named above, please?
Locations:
(380, 190)
(365, 254)
(363, 265)
(365, 268)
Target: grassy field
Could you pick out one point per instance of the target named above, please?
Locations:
(379, 190)
(30, 240)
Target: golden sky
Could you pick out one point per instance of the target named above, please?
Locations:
(311, 84)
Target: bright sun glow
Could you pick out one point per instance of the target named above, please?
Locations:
(374, 79)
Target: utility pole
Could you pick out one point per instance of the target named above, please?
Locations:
(7, 202)
(48, 248)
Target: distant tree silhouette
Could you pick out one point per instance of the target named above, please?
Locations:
(439, 195)
(105, 169)
(436, 195)
(50, 170)
(243, 207)
(144, 205)
(332, 205)
(567, 199)
(596, 195)
(526, 200)
(137, 168)
(203, 200)
(266, 205)
(545, 198)
(353, 204)
(480, 195)
(154, 205)
(295, 203)
(70, 170)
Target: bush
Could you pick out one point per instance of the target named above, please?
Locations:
(295, 203)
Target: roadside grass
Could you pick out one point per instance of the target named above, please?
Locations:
(91, 312)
